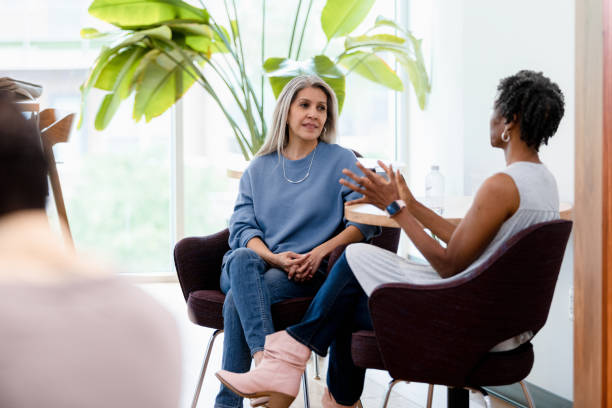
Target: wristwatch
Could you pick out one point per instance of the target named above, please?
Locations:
(395, 207)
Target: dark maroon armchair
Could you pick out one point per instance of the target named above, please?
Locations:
(198, 265)
(442, 333)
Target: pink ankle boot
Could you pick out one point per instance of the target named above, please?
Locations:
(278, 374)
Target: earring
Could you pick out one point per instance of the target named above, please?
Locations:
(324, 132)
(505, 136)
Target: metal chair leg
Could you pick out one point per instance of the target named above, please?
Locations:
(530, 401)
(305, 388)
(430, 390)
(211, 341)
(391, 385)
(316, 366)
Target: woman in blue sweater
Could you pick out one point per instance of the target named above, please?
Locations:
(286, 219)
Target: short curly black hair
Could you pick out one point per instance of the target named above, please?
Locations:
(535, 102)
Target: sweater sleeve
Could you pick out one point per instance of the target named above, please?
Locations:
(243, 224)
(368, 231)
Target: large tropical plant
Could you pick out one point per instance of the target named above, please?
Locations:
(163, 47)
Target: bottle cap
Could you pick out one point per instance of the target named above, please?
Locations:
(435, 167)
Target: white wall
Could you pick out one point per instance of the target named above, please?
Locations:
(472, 44)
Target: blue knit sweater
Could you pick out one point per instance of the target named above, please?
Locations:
(294, 217)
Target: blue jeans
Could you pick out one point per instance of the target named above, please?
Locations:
(251, 287)
(339, 308)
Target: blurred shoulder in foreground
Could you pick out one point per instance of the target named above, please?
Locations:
(73, 334)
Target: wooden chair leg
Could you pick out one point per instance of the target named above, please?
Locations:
(388, 394)
(430, 391)
(530, 401)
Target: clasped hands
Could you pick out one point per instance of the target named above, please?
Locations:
(299, 267)
(376, 189)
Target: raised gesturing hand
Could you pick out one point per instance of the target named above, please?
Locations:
(375, 189)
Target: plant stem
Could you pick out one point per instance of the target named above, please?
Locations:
(297, 56)
(246, 83)
(263, 44)
(196, 74)
(297, 14)
(325, 48)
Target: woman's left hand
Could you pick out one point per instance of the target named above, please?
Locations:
(310, 265)
(375, 188)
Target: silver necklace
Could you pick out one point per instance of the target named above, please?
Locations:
(307, 172)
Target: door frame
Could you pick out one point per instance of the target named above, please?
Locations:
(593, 205)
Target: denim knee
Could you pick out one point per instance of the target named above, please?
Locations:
(240, 255)
(237, 261)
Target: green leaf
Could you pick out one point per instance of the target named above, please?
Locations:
(282, 70)
(162, 32)
(208, 45)
(88, 33)
(377, 40)
(192, 29)
(128, 60)
(234, 27)
(110, 73)
(99, 64)
(387, 22)
(419, 83)
(372, 67)
(143, 13)
(161, 83)
(418, 73)
(341, 17)
(415, 67)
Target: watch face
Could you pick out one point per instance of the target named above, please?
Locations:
(393, 208)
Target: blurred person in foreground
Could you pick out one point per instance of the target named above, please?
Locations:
(72, 333)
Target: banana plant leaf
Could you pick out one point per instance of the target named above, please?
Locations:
(377, 40)
(132, 14)
(382, 21)
(282, 70)
(161, 82)
(117, 77)
(208, 44)
(372, 67)
(341, 17)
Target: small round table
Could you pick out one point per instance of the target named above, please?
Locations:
(455, 208)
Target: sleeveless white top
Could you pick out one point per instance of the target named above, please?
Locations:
(539, 202)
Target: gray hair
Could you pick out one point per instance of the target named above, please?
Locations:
(278, 136)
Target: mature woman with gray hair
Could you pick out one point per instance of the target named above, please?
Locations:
(287, 218)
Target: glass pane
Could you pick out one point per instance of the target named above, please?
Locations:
(116, 183)
(367, 123)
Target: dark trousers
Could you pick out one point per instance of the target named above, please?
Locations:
(339, 308)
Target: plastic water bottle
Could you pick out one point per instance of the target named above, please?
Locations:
(434, 190)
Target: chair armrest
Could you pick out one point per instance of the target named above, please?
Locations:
(388, 239)
(334, 255)
(198, 261)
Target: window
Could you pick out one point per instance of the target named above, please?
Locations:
(133, 189)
